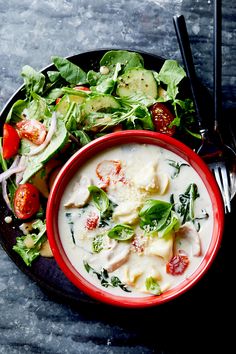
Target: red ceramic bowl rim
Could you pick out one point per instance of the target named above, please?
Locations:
(71, 167)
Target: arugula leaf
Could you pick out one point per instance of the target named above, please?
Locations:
(121, 232)
(125, 58)
(171, 74)
(152, 286)
(82, 136)
(34, 80)
(154, 214)
(100, 198)
(69, 71)
(30, 254)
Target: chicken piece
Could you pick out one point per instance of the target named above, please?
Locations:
(80, 193)
(187, 239)
(116, 256)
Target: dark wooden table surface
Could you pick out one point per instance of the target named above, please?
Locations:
(34, 321)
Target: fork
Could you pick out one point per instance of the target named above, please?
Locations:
(212, 148)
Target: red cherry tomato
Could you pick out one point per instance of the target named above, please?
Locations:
(162, 118)
(82, 88)
(26, 201)
(177, 264)
(92, 221)
(32, 130)
(11, 141)
(117, 128)
(58, 100)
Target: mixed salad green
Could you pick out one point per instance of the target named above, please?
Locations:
(63, 110)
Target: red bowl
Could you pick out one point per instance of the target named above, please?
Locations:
(72, 166)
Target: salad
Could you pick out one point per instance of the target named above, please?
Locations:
(63, 110)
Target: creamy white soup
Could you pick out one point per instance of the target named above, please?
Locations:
(135, 220)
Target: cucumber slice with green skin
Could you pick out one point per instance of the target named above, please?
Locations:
(101, 103)
(64, 104)
(137, 81)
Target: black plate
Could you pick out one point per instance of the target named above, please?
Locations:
(45, 271)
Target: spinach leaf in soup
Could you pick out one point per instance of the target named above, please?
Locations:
(186, 207)
(69, 71)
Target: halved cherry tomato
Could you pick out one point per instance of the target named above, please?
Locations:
(82, 88)
(58, 100)
(177, 264)
(26, 201)
(117, 128)
(32, 130)
(162, 118)
(92, 221)
(11, 141)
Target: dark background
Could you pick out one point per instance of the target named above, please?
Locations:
(33, 321)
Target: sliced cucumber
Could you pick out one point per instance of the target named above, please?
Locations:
(101, 103)
(63, 106)
(137, 81)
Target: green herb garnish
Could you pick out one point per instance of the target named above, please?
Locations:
(105, 280)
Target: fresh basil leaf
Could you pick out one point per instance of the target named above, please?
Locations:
(154, 214)
(125, 58)
(16, 112)
(152, 286)
(34, 80)
(69, 71)
(30, 254)
(173, 223)
(100, 198)
(121, 232)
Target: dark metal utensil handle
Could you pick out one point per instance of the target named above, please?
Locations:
(184, 44)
